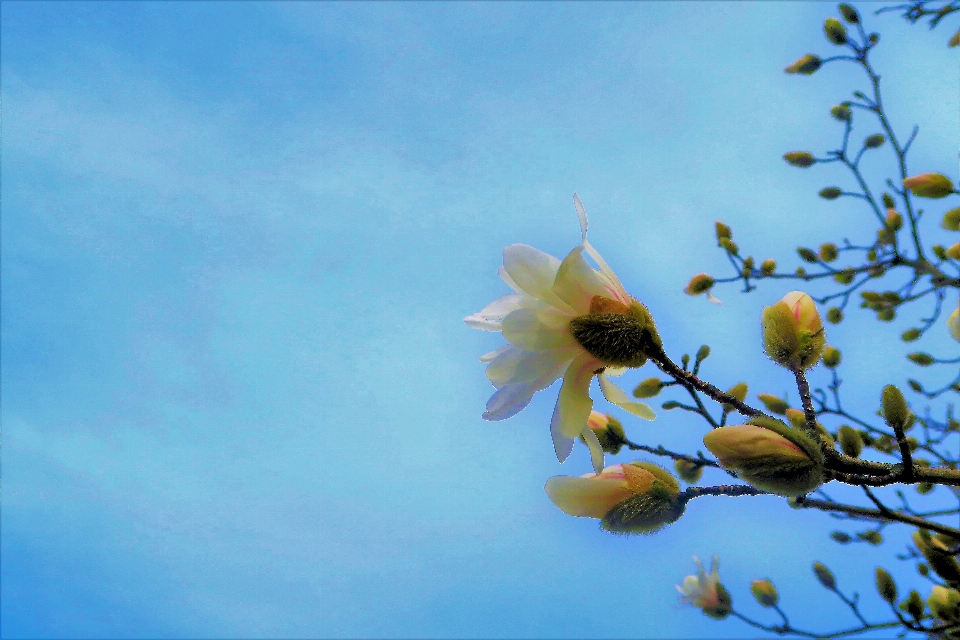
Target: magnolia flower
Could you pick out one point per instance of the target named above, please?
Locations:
(953, 324)
(705, 591)
(538, 322)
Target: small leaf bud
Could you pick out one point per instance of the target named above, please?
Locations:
(953, 251)
(806, 65)
(924, 488)
(872, 536)
(910, 335)
(685, 360)
(923, 569)
(929, 185)
(939, 251)
(773, 404)
(825, 576)
(894, 220)
(649, 388)
(921, 358)
(688, 471)
(800, 158)
(698, 284)
(703, 353)
(951, 220)
(874, 141)
(894, 406)
(765, 593)
(886, 587)
(831, 357)
(850, 442)
(913, 605)
(828, 252)
(954, 40)
(849, 13)
(830, 193)
(884, 236)
(835, 31)
(730, 246)
(872, 255)
(873, 38)
(841, 112)
(738, 391)
(797, 418)
(669, 405)
(807, 254)
(801, 272)
(888, 201)
(841, 537)
(768, 266)
(723, 231)
(844, 277)
(834, 315)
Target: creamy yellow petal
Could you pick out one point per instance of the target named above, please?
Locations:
(533, 272)
(586, 497)
(577, 282)
(573, 405)
(538, 329)
(596, 451)
(617, 396)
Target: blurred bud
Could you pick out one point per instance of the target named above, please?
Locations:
(705, 591)
(768, 266)
(888, 201)
(849, 13)
(886, 315)
(793, 332)
(747, 266)
(944, 604)
(954, 40)
(831, 357)
(895, 411)
(773, 403)
(688, 471)
(797, 418)
(953, 324)
(723, 231)
(953, 251)
(825, 576)
(801, 272)
(608, 430)
(828, 252)
(730, 246)
(874, 141)
(830, 193)
(738, 391)
(910, 335)
(772, 457)
(920, 358)
(936, 552)
(807, 254)
(850, 442)
(805, 65)
(939, 251)
(834, 315)
(841, 112)
(873, 38)
(951, 220)
(765, 593)
(924, 488)
(884, 236)
(835, 31)
(894, 220)
(844, 277)
(648, 388)
(886, 587)
(841, 537)
(913, 605)
(929, 185)
(703, 353)
(872, 255)
(923, 569)
(639, 497)
(872, 536)
(799, 158)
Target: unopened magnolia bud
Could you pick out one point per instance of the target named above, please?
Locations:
(828, 252)
(768, 266)
(830, 193)
(747, 266)
(939, 251)
(738, 391)
(773, 403)
(872, 536)
(944, 604)
(953, 251)
(872, 255)
(698, 284)
(648, 388)
(723, 231)
(910, 335)
(884, 236)
(920, 358)
(894, 220)
(929, 185)
(765, 593)
(895, 411)
(807, 255)
(954, 40)
(850, 442)
(834, 315)
(844, 277)
(937, 554)
(913, 605)
(886, 587)
(888, 201)
(772, 457)
(619, 335)
(835, 31)
(825, 576)
(951, 220)
(849, 13)
(688, 471)
(841, 537)
(793, 332)
(831, 357)
(953, 324)
(841, 112)
(608, 430)
(874, 141)
(886, 315)
(805, 65)
(730, 246)
(799, 158)
(703, 353)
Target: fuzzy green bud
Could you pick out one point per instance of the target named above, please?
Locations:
(923, 488)
(944, 604)
(688, 471)
(886, 587)
(893, 221)
(825, 576)
(951, 220)
(703, 353)
(793, 332)
(807, 255)
(888, 201)
(835, 31)
(765, 593)
(773, 404)
(844, 277)
(929, 185)
(831, 357)
(874, 141)
(954, 40)
(886, 315)
(828, 252)
(616, 334)
(730, 246)
(953, 251)
(723, 231)
(920, 358)
(841, 537)
(939, 251)
(698, 284)
(834, 315)
(648, 388)
(841, 112)
(830, 193)
(738, 391)
(913, 605)
(872, 536)
(608, 430)
(805, 65)
(768, 266)
(801, 159)
(895, 411)
(910, 335)
(850, 441)
(849, 13)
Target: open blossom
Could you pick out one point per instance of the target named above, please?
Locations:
(549, 295)
(704, 590)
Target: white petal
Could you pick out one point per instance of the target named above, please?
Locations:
(582, 213)
(517, 365)
(509, 400)
(605, 269)
(533, 271)
(614, 372)
(596, 451)
(538, 329)
(487, 357)
(491, 316)
(616, 395)
(577, 282)
(953, 324)
(586, 497)
(573, 405)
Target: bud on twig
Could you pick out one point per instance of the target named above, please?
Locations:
(830, 193)
(895, 411)
(765, 593)
(929, 185)
(825, 576)
(805, 65)
(773, 403)
(768, 266)
(793, 332)
(835, 31)
(874, 141)
(831, 357)
(850, 441)
(951, 220)
(649, 388)
(886, 587)
(802, 159)
(849, 13)
(688, 471)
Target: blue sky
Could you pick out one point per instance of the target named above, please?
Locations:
(238, 243)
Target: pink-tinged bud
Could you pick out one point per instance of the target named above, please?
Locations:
(765, 593)
(954, 40)
(608, 430)
(929, 185)
(944, 603)
(773, 457)
(953, 324)
(793, 332)
(639, 497)
(805, 65)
